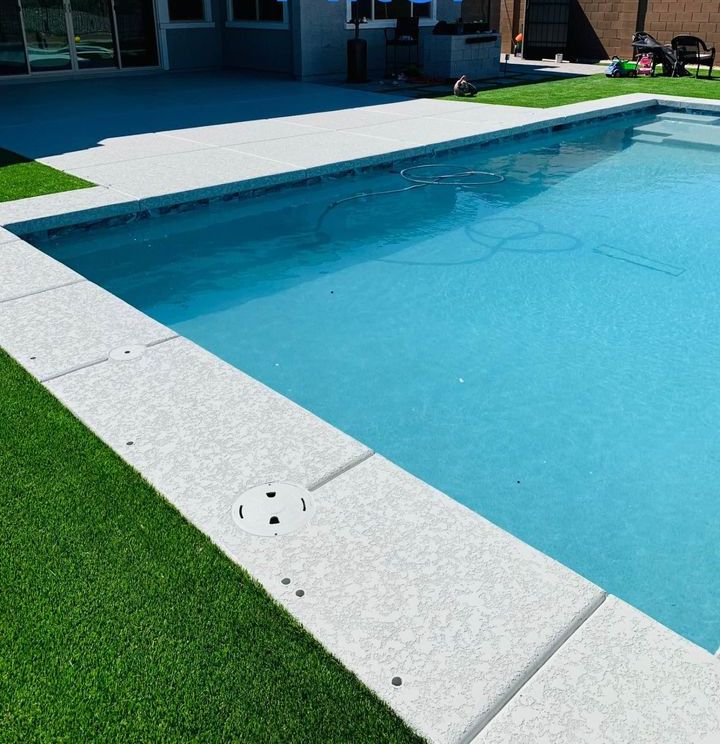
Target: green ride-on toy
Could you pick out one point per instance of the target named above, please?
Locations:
(621, 68)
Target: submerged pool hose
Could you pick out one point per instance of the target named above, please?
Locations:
(466, 178)
(458, 178)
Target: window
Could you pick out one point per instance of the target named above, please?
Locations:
(265, 11)
(186, 10)
(376, 10)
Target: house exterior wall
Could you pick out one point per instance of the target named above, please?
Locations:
(320, 36)
(190, 47)
(270, 50)
(312, 47)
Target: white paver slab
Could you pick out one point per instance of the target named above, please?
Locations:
(201, 430)
(240, 132)
(53, 332)
(25, 270)
(117, 149)
(350, 117)
(65, 208)
(6, 236)
(402, 581)
(425, 130)
(181, 172)
(330, 149)
(479, 113)
(420, 107)
(621, 678)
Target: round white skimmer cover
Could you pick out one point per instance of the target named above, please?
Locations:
(272, 509)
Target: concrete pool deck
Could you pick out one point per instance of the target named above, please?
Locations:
(493, 641)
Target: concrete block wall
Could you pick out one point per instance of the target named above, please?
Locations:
(665, 19)
(599, 29)
(511, 16)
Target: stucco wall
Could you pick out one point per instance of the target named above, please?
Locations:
(320, 37)
(190, 48)
(258, 49)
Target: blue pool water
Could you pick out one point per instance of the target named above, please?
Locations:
(546, 350)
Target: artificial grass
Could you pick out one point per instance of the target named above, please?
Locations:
(21, 178)
(591, 87)
(119, 621)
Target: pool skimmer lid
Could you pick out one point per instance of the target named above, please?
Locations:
(272, 509)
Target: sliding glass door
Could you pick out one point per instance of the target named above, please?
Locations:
(40, 36)
(93, 34)
(46, 34)
(12, 47)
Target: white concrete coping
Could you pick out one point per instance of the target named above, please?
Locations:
(73, 326)
(24, 270)
(202, 431)
(398, 578)
(6, 236)
(66, 208)
(621, 679)
(411, 129)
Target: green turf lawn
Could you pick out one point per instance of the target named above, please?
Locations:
(591, 87)
(120, 622)
(20, 178)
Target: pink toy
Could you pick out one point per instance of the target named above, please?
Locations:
(645, 65)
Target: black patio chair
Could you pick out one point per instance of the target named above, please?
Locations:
(692, 50)
(672, 65)
(405, 35)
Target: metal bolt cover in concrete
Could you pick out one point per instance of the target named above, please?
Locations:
(272, 509)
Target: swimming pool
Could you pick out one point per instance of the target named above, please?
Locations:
(545, 349)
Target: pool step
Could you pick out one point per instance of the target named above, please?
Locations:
(652, 139)
(682, 116)
(680, 132)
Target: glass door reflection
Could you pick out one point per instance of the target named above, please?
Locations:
(46, 33)
(93, 36)
(12, 46)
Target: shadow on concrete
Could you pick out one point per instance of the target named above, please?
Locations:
(40, 119)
